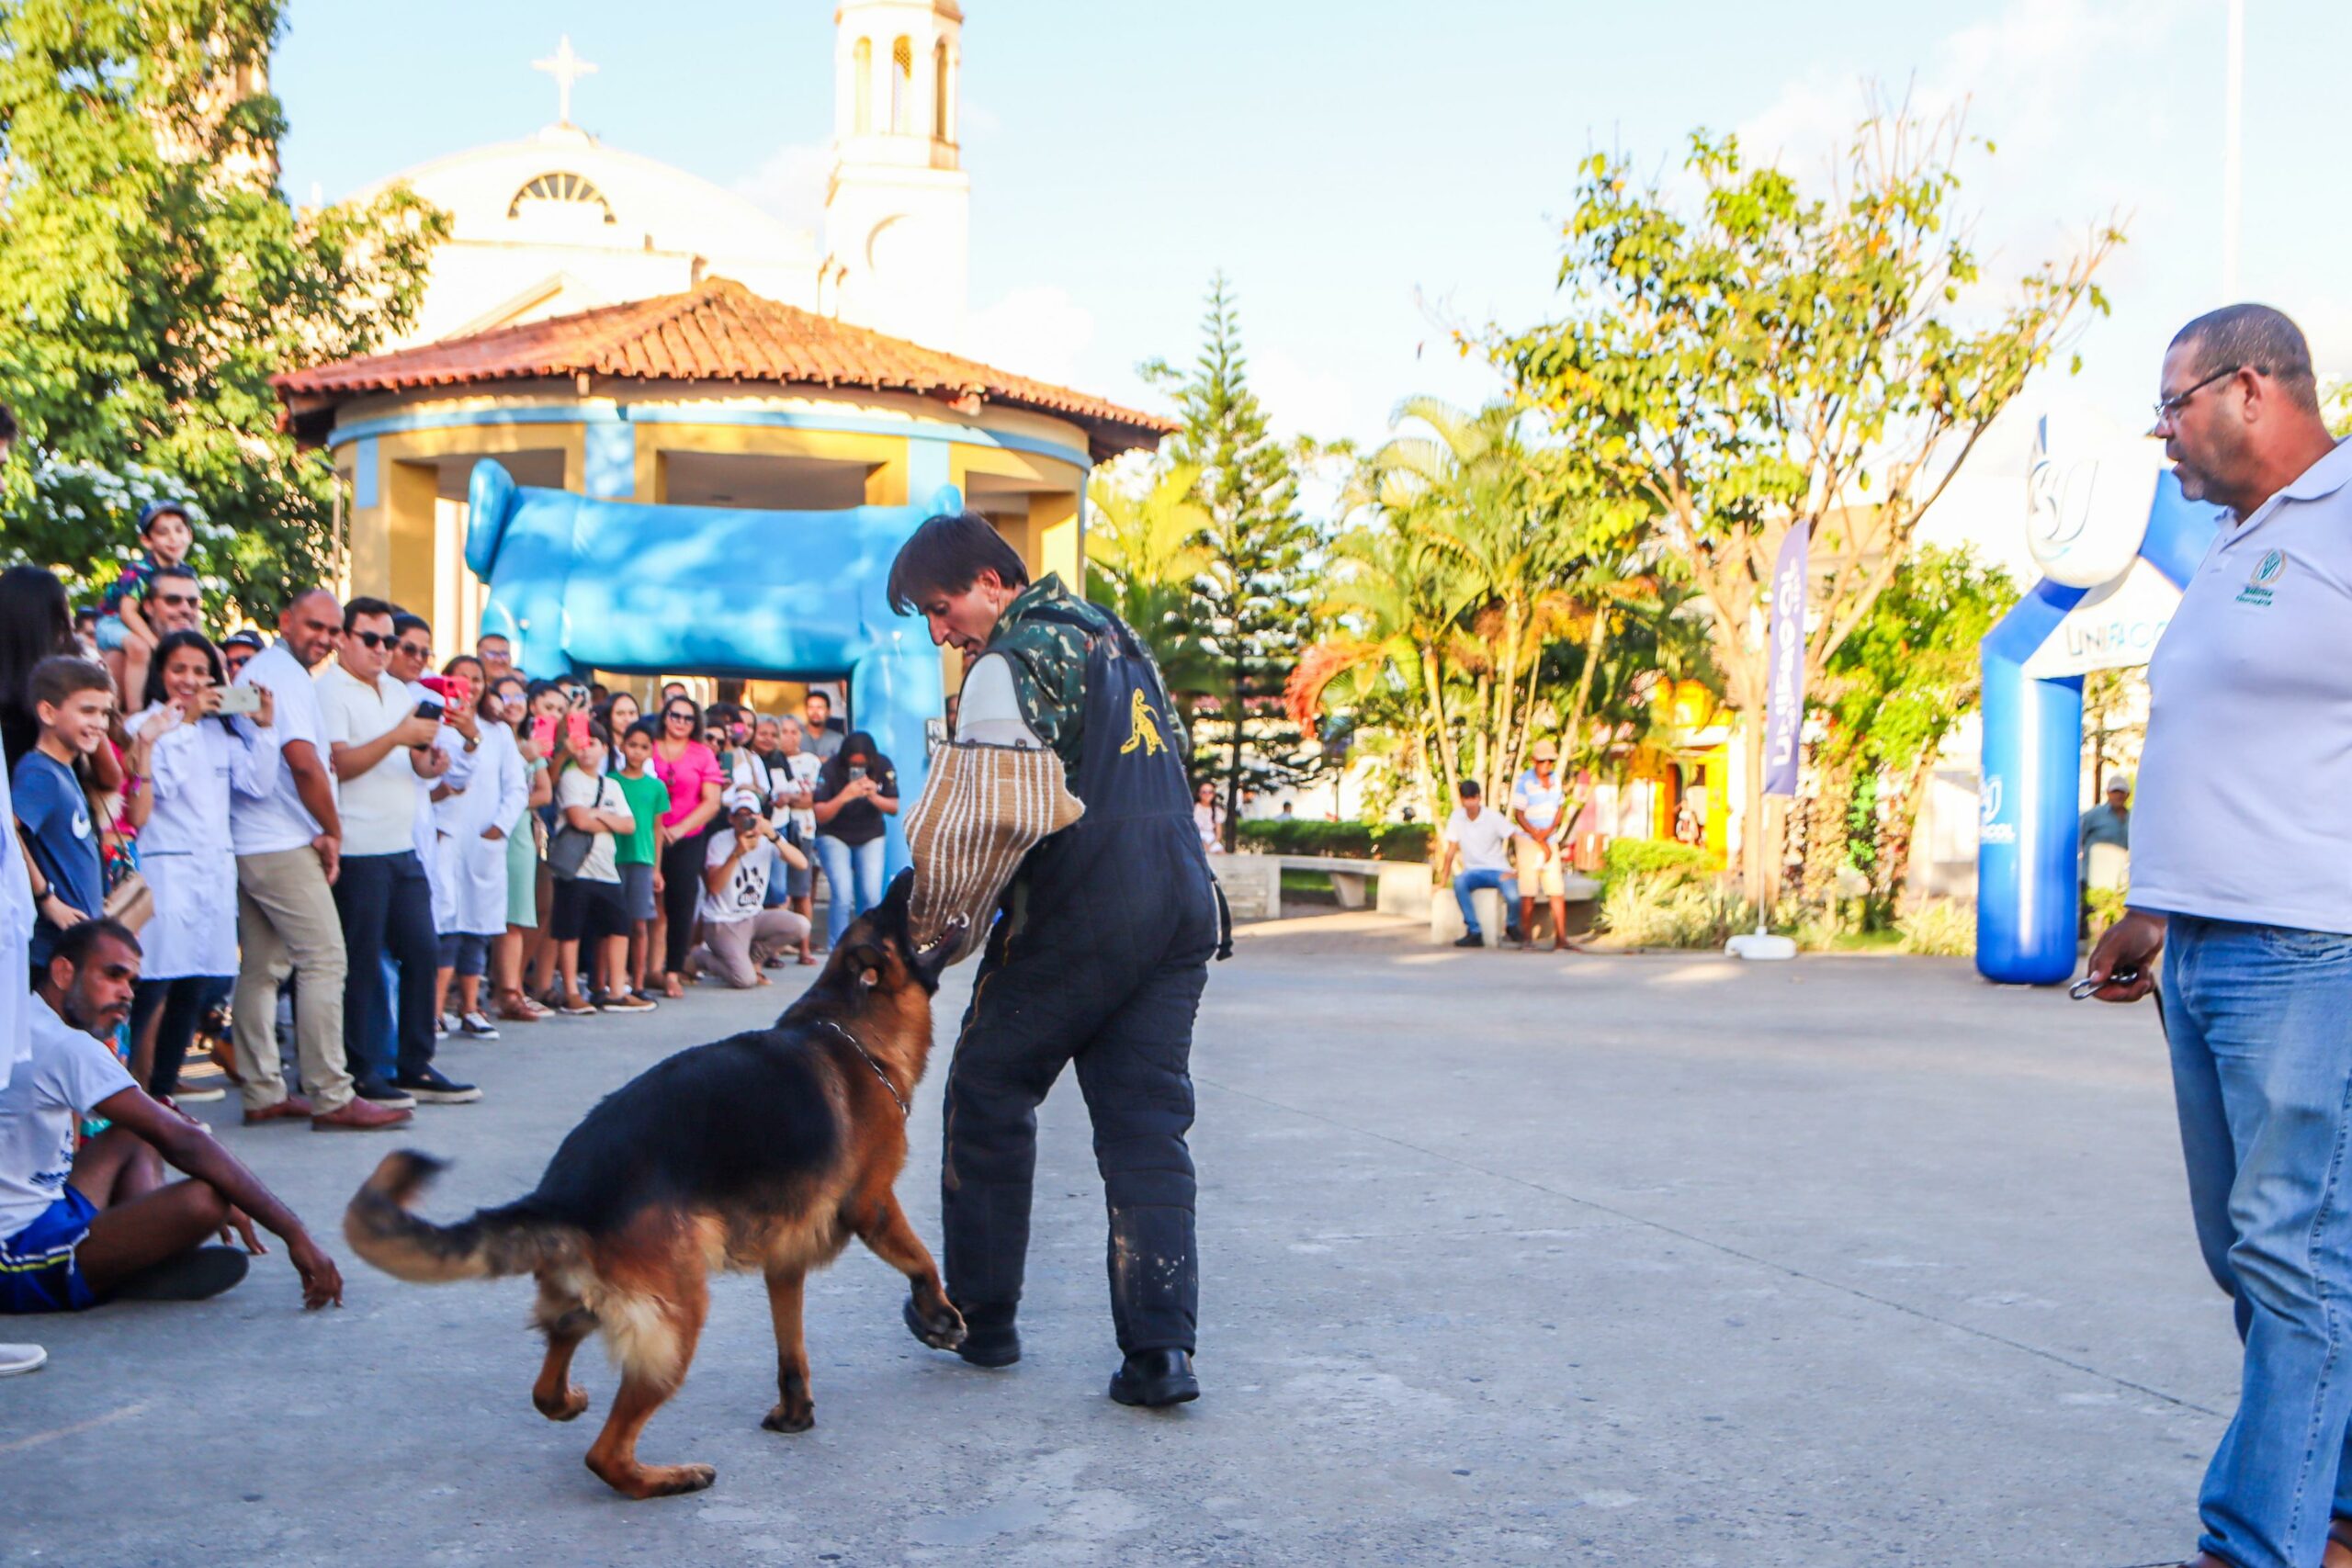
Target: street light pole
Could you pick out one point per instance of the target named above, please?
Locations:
(2233, 133)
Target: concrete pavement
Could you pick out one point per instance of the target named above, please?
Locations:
(1628, 1260)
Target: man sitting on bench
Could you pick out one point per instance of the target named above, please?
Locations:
(81, 1228)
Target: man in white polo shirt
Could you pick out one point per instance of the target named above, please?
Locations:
(1481, 839)
(379, 746)
(2242, 885)
(288, 851)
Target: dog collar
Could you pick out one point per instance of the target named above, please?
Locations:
(870, 1062)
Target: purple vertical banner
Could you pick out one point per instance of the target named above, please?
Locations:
(1784, 708)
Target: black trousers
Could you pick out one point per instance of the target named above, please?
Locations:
(387, 911)
(183, 1003)
(682, 871)
(1132, 1043)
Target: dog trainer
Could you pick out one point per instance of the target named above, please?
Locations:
(1108, 918)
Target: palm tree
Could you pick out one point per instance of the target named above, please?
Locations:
(1144, 559)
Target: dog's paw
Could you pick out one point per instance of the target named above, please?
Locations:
(573, 1401)
(943, 1330)
(786, 1419)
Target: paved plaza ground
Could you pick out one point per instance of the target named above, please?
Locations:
(1629, 1260)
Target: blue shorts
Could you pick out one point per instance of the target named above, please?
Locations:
(37, 1268)
(637, 890)
(112, 633)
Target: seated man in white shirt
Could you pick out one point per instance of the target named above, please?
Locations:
(738, 932)
(1482, 840)
(77, 1228)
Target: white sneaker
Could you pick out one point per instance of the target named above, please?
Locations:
(445, 1026)
(14, 1359)
(479, 1027)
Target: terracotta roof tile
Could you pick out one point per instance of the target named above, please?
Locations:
(720, 330)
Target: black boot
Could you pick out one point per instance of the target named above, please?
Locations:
(1154, 1378)
(989, 1338)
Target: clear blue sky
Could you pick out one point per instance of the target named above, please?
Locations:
(1356, 166)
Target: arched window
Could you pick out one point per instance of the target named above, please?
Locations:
(862, 94)
(902, 85)
(561, 186)
(939, 126)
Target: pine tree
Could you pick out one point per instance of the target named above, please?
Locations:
(1254, 597)
(153, 276)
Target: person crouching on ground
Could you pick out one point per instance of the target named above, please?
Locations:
(84, 1228)
(738, 932)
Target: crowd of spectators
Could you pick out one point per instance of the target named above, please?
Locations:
(318, 837)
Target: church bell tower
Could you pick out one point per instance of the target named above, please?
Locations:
(898, 208)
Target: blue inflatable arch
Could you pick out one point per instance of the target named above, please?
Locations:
(579, 585)
(2027, 881)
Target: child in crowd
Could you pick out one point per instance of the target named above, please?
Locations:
(73, 700)
(126, 640)
(511, 954)
(647, 798)
(588, 895)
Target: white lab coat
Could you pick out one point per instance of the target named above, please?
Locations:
(15, 942)
(183, 849)
(424, 837)
(469, 895)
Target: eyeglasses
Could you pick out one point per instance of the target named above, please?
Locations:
(2169, 408)
(371, 639)
(415, 652)
(178, 601)
(680, 715)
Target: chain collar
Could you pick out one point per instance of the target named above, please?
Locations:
(870, 1062)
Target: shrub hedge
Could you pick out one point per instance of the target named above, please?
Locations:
(1407, 841)
(1651, 857)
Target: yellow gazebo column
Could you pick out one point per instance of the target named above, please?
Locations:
(390, 528)
(1053, 537)
(410, 532)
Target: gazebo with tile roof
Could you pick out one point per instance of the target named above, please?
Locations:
(716, 397)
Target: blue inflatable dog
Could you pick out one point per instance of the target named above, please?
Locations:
(579, 585)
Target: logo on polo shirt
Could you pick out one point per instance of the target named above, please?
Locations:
(2267, 572)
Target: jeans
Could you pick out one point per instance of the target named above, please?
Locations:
(838, 859)
(386, 908)
(2260, 1023)
(1466, 883)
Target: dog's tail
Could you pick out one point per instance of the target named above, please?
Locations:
(493, 1243)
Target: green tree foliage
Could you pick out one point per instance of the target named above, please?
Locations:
(1896, 688)
(154, 276)
(1473, 603)
(1144, 561)
(1763, 356)
(1255, 593)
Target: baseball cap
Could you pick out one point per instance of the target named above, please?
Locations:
(245, 638)
(2119, 780)
(742, 797)
(1546, 752)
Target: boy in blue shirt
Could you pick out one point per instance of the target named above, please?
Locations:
(71, 698)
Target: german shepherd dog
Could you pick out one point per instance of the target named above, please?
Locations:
(767, 1150)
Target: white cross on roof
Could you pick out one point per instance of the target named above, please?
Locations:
(566, 68)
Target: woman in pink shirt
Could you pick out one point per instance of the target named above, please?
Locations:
(690, 771)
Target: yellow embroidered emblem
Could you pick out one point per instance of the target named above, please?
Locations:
(1142, 729)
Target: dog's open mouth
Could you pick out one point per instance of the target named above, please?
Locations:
(950, 937)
